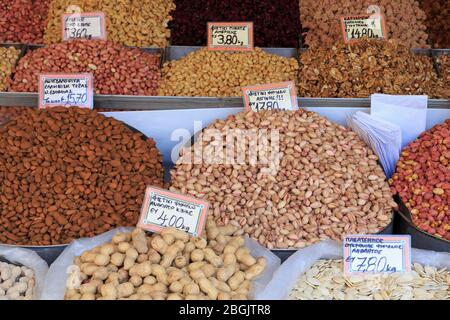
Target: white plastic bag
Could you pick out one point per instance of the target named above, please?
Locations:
(286, 277)
(30, 259)
(55, 283)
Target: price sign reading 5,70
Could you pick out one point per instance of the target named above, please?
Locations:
(164, 209)
(377, 254)
(66, 90)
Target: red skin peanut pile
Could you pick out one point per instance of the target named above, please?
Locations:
(23, 21)
(116, 69)
(422, 180)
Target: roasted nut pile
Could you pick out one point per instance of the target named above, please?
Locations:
(269, 18)
(405, 21)
(169, 266)
(359, 70)
(16, 283)
(67, 173)
(327, 183)
(141, 23)
(438, 16)
(7, 113)
(422, 180)
(325, 280)
(8, 59)
(116, 69)
(23, 21)
(222, 74)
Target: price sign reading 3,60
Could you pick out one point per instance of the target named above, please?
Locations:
(87, 25)
(377, 254)
(163, 209)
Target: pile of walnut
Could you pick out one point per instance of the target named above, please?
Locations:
(16, 283)
(171, 265)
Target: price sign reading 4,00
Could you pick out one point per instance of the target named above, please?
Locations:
(271, 97)
(87, 25)
(235, 36)
(377, 254)
(164, 209)
(66, 90)
(370, 26)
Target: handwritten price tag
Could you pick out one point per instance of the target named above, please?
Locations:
(370, 26)
(377, 254)
(230, 36)
(88, 25)
(66, 90)
(271, 97)
(162, 209)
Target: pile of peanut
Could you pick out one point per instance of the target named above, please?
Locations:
(222, 74)
(422, 180)
(168, 266)
(23, 21)
(116, 69)
(327, 184)
(67, 173)
(141, 23)
(365, 68)
(8, 59)
(405, 20)
(16, 283)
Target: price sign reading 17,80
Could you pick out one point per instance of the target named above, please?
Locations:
(164, 209)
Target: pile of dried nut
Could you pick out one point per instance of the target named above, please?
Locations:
(8, 59)
(143, 23)
(222, 74)
(7, 113)
(325, 280)
(405, 21)
(171, 265)
(422, 180)
(67, 173)
(116, 69)
(362, 69)
(313, 179)
(16, 283)
(23, 21)
(438, 15)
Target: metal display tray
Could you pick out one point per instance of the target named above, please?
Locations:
(419, 239)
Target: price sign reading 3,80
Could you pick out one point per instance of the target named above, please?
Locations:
(370, 26)
(66, 90)
(163, 209)
(377, 254)
(88, 25)
(236, 36)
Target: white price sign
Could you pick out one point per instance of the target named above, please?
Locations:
(163, 209)
(377, 254)
(370, 26)
(275, 96)
(87, 25)
(66, 90)
(230, 36)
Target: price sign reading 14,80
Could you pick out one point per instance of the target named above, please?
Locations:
(370, 26)
(163, 209)
(377, 254)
